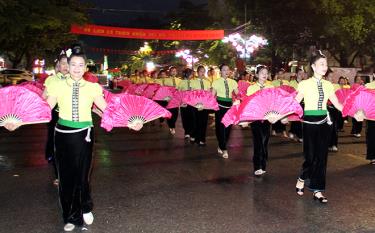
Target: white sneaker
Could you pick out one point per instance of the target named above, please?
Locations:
(357, 135)
(187, 136)
(225, 154)
(259, 172)
(219, 151)
(69, 227)
(334, 148)
(273, 133)
(291, 136)
(172, 131)
(88, 218)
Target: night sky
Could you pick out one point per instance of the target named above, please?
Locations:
(127, 13)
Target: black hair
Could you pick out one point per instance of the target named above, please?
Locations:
(200, 67)
(222, 65)
(162, 71)
(172, 67)
(341, 78)
(316, 56)
(187, 73)
(261, 67)
(77, 51)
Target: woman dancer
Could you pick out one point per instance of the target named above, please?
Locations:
(316, 127)
(187, 111)
(260, 129)
(357, 125)
(223, 89)
(74, 139)
(370, 133)
(201, 115)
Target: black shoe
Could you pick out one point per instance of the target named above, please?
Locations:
(321, 199)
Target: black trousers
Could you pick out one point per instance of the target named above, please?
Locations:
(296, 128)
(340, 122)
(73, 160)
(334, 114)
(50, 145)
(356, 126)
(279, 127)
(222, 133)
(315, 149)
(370, 140)
(188, 119)
(261, 135)
(201, 120)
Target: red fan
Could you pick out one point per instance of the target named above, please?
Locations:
(242, 86)
(164, 93)
(287, 88)
(267, 104)
(33, 86)
(177, 99)
(90, 77)
(150, 90)
(231, 116)
(342, 94)
(201, 99)
(131, 111)
(124, 84)
(355, 86)
(20, 105)
(360, 99)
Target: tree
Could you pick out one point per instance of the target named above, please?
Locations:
(38, 28)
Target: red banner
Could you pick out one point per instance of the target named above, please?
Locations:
(147, 34)
(129, 52)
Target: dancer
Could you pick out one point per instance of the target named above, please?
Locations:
(316, 91)
(62, 70)
(201, 115)
(260, 129)
(357, 125)
(74, 139)
(223, 89)
(370, 133)
(187, 111)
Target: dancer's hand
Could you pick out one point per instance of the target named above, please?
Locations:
(183, 105)
(285, 121)
(359, 115)
(236, 102)
(167, 98)
(244, 124)
(12, 126)
(199, 106)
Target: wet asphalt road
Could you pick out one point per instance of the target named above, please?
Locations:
(149, 181)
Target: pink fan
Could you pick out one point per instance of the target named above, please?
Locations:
(140, 89)
(201, 98)
(342, 94)
(32, 87)
(231, 116)
(176, 100)
(355, 86)
(20, 105)
(131, 111)
(37, 84)
(107, 97)
(294, 117)
(270, 103)
(164, 92)
(242, 86)
(130, 89)
(287, 88)
(360, 99)
(124, 84)
(150, 90)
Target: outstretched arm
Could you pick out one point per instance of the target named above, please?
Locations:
(335, 102)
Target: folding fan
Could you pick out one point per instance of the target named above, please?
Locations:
(268, 104)
(287, 88)
(21, 105)
(131, 111)
(342, 94)
(140, 89)
(33, 86)
(176, 100)
(130, 89)
(355, 86)
(124, 84)
(202, 98)
(150, 90)
(360, 99)
(242, 86)
(164, 93)
(231, 116)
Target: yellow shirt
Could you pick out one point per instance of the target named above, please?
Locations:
(134, 79)
(68, 92)
(279, 82)
(212, 78)
(219, 86)
(370, 85)
(144, 80)
(184, 85)
(159, 81)
(172, 82)
(336, 86)
(256, 87)
(316, 94)
(293, 84)
(55, 78)
(200, 84)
